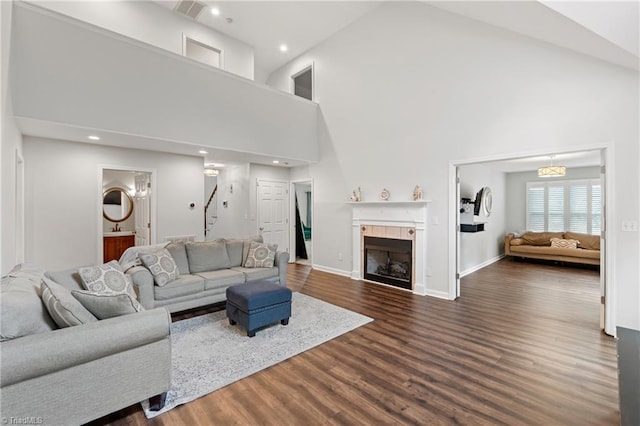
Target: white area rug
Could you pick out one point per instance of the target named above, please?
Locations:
(208, 353)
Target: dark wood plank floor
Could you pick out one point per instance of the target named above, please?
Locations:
(521, 346)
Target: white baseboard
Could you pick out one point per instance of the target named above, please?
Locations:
(481, 265)
(439, 294)
(332, 270)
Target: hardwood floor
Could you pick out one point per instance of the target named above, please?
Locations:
(522, 345)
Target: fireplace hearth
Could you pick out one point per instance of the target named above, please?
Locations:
(388, 261)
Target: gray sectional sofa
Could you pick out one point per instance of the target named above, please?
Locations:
(76, 374)
(206, 270)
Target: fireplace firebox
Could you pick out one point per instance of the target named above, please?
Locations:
(388, 261)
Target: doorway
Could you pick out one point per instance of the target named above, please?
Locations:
(607, 288)
(126, 215)
(302, 227)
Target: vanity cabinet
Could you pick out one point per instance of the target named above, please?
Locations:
(114, 246)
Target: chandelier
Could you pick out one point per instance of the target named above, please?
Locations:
(551, 170)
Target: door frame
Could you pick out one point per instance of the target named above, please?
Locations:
(292, 214)
(152, 207)
(607, 252)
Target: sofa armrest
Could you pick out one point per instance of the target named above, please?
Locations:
(507, 244)
(282, 262)
(143, 281)
(40, 354)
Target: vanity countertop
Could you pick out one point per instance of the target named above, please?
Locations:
(118, 234)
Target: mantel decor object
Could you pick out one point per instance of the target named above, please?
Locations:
(417, 193)
(356, 196)
(385, 194)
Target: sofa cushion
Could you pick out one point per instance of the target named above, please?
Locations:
(161, 265)
(22, 311)
(179, 253)
(260, 255)
(235, 250)
(553, 251)
(207, 256)
(222, 278)
(68, 278)
(516, 242)
(562, 243)
(65, 309)
(540, 238)
(253, 274)
(183, 286)
(586, 241)
(105, 306)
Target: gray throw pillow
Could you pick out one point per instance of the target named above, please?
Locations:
(207, 256)
(65, 310)
(261, 255)
(235, 252)
(105, 306)
(22, 311)
(161, 265)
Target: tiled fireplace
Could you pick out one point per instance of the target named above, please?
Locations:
(389, 243)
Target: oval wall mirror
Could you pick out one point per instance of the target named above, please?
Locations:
(117, 204)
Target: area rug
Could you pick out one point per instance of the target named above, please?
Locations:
(207, 353)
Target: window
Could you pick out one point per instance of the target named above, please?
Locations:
(571, 205)
(201, 52)
(303, 83)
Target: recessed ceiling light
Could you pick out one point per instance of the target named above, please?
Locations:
(276, 162)
(94, 138)
(202, 151)
(217, 164)
(283, 48)
(215, 11)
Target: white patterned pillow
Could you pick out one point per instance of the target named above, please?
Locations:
(560, 243)
(261, 255)
(162, 266)
(106, 279)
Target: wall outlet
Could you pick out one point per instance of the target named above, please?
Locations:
(428, 272)
(629, 226)
(339, 257)
(436, 221)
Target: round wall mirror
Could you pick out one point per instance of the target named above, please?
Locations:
(117, 204)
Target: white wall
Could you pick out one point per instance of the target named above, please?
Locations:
(10, 235)
(64, 203)
(234, 188)
(155, 25)
(481, 248)
(409, 89)
(517, 192)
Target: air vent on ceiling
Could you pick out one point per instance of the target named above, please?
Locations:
(190, 8)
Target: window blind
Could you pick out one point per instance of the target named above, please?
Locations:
(571, 205)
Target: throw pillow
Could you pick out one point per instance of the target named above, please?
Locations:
(208, 256)
(260, 255)
(22, 311)
(162, 266)
(105, 306)
(247, 244)
(106, 279)
(179, 253)
(540, 238)
(561, 243)
(65, 310)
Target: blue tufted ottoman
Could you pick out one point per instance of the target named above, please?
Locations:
(257, 304)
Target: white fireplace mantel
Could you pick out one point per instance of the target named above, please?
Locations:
(411, 214)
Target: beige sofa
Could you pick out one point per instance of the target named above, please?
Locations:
(537, 245)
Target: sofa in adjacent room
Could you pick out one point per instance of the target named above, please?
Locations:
(567, 246)
(203, 271)
(72, 375)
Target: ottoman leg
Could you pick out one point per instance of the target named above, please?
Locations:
(232, 322)
(251, 333)
(285, 321)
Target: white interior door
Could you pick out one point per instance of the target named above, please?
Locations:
(273, 212)
(458, 232)
(142, 210)
(603, 242)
